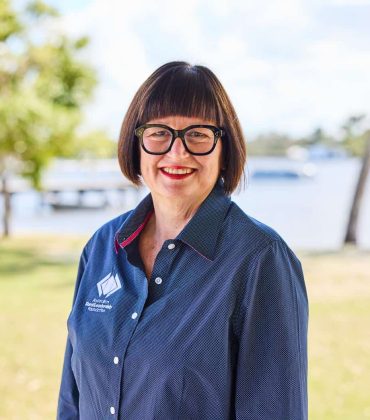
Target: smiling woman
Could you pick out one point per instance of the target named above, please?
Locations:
(163, 173)
(200, 311)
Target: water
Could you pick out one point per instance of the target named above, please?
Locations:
(308, 213)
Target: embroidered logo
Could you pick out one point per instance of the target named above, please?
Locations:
(108, 285)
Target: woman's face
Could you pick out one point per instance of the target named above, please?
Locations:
(205, 169)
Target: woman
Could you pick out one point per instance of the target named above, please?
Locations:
(185, 307)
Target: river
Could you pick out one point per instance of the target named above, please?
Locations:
(309, 213)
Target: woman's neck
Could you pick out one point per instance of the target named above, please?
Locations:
(170, 217)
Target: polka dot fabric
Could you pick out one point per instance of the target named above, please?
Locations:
(218, 332)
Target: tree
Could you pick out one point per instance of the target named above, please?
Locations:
(360, 144)
(43, 85)
(351, 232)
(353, 139)
(270, 144)
(318, 137)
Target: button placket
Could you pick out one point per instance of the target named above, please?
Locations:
(117, 357)
(158, 280)
(162, 263)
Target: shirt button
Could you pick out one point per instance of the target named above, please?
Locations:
(116, 360)
(158, 280)
(134, 315)
(171, 246)
(112, 410)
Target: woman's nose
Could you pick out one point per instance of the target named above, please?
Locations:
(178, 148)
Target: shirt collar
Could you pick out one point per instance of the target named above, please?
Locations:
(200, 233)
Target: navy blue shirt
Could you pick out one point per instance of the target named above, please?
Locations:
(218, 332)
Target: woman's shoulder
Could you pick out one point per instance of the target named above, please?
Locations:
(253, 233)
(245, 222)
(263, 246)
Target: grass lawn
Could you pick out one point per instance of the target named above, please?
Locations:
(36, 283)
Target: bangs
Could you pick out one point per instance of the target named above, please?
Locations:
(185, 92)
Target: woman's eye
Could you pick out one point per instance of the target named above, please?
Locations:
(160, 133)
(196, 134)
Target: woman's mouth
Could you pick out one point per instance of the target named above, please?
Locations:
(177, 173)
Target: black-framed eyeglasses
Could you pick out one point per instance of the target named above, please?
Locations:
(198, 139)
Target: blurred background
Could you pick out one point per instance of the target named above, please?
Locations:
(297, 74)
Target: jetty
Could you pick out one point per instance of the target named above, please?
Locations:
(76, 178)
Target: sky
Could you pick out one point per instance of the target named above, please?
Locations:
(288, 66)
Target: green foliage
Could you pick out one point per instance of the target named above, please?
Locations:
(272, 144)
(62, 79)
(94, 144)
(276, 144)
(318, 136)
(39, 8)
(354, 139)
(355, 145)
(34, 130)
(43, 86)
(9, 22)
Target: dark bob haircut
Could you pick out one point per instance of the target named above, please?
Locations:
(178, 88)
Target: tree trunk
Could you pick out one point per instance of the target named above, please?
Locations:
(7, 208)
(351, 233)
